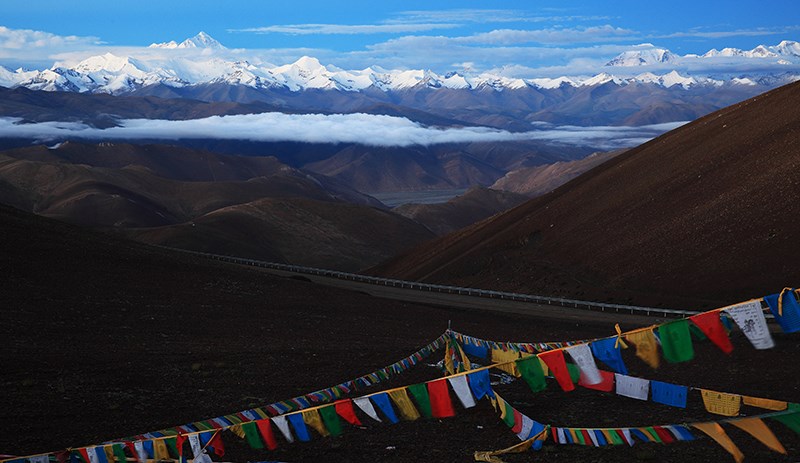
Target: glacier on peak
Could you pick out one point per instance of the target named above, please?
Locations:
(201, 40)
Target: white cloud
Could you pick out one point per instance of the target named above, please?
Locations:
(706, 34)
(551, 36)
(345, 29)
(467, 15)
(366, 129)
(37, 45)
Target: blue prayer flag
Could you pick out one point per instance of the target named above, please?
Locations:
(644, 437)
(669, 394)
(475, 351)
(480, 384)
(601, 439)
(606, 351)
(300, 429)
(382, 401)
(790, 320)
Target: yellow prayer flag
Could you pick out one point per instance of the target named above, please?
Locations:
(404, 405)
(160, 450)
(715, 431)
(756, 428)
(721, 403)
(769, 404)
(646, 346)
(500, 356)
(109, 451)
(313, 419)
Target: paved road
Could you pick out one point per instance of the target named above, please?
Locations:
(538, 311)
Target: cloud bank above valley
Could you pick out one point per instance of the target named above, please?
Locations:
(364, 129)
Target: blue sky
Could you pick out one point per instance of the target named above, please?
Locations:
(549, 37)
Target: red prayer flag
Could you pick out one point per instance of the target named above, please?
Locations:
(586, 438)
(441, 405)
(606, 383)
(558, 367)
(85, 454)
(666, 436)
(265, 428)
(517, 422)
(345, 409)
(63, 456)
(179, 440)
(217, 444)
(711, 326)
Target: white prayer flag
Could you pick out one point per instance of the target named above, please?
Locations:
(141, 453)
(527, 426)
(197, 449)
(283, 426)
(582, 355)
(593, 437)
(366, 406)
(92, 452)
(561, 438)
(627, 433)
(751, 321)
(635, 388)
(40, 459)
(461, 387)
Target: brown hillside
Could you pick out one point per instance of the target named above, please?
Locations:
(703, 214)
(476, 204)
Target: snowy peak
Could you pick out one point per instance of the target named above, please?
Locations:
(643, 57)
(201, 40)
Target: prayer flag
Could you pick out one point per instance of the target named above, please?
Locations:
(476, 351)
(669, 394)
(441, 405)
(141, 454)
(160, 449)
(663, 435)
(558, 367)
(600, 438)
(607, 351)
(785, 309)
(265, 429)
(756, 428)
(506, 412)
(331, 420)
(676, 341)
(646, 347)
(751, 321)
(251, 435)
(403, 402)
(480, 384)
(366, 406)
(382, 401)
(283, 427)
(344, 408)
(313, 419)
(531, 370)
(710, 324)
(462, 391)
(299, 426)
(41, 459)
(214, 442)
(503, 356)
(715, 431)
(529, 429)
(606, 383)
(721, 403)
(197, 450)
(582, 355)
(420, 393)
(680, 432)
(628, 386)
(769, 404)
(119, 453)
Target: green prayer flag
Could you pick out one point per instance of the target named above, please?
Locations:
(676, 341)
(579, 436)
(652, 433)
(331, 420)
(531, 371)
(203, 426)
(233, 419)
(791, 420)
(574, 372)
(509, 418)
(119, 453)
(172, 446)
(420, 393)
(251, 434)
(614, 437)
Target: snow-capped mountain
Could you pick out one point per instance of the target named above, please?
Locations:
(179, 65)
(786, 51)
(201, 40)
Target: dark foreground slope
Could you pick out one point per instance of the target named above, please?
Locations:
(703, 214)
(104, 338)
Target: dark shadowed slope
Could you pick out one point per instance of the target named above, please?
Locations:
(707, 212)
(295, 230)
(476, 204)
